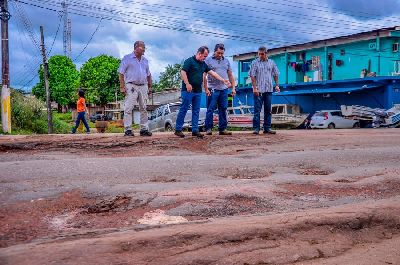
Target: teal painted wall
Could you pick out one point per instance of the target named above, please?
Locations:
(375, 55)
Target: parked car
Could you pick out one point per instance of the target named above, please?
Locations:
(100, 117)
(164, 118)
(332, 119)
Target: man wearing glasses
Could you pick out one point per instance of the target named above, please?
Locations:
(217, 91)
(192, 86)
(262, 71)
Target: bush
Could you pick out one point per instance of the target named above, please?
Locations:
(60, 126)
(26, 113)
(67, 117)
(39, 126)
(29, 115)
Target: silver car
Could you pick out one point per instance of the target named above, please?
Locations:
(164, 118)
(332, 119)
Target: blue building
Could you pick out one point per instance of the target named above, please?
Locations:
(359, 69)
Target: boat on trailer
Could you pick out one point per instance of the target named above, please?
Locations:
(283, 115)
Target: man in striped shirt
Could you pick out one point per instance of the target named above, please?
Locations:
(262, 71)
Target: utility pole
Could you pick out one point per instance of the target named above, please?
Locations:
(46, 83)
(5, 70)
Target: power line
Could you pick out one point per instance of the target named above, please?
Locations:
(55, 36)
(90, 39)
(31, 68)
(25, 22)
(227, 18)
(101, 9)
(327, 9)
(162, 25)
(228, 22)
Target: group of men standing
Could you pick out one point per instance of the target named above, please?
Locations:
(214, 73)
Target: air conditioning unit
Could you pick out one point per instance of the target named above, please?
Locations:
(395, 47)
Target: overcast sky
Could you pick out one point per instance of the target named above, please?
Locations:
(173, 30)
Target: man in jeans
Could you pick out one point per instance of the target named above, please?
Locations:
(262, 71)
(135, 84)
(192, 81)
(217, 91)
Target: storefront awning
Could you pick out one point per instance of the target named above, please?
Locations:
(325, 90)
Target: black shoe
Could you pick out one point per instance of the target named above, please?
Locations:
(198, 135)
(256, 132)
(146, 133)
(225, 132)
(129, 133)
(179, 133)
(269, 132)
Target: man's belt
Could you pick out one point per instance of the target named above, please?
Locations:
(136, 84)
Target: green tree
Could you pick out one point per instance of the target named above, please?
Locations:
(170, 78)
(99, 77)
(63, 81)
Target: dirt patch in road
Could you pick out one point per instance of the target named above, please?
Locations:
(244, 173)
(163, 179)
(380, 190)
(25, 221)
(113, 145)
(73, 212)
(280, 239)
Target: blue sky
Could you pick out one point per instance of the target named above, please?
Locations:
(173, 30)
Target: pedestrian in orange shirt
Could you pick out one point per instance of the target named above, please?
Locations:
(81, 108)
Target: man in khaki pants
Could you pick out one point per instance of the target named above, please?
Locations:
(135, 83)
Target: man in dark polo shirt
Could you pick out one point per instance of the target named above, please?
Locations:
(192, 81)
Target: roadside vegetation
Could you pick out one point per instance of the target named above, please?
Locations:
(29, 116)
(98, 77)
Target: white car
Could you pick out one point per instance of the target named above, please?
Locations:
(332, 119)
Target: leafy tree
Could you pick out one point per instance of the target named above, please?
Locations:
(170, 78)
(100, 78)
(63, 81)
(38, 90)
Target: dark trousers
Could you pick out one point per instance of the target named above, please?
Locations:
(189, 98)
(220, 98)
(264, 99)
(81, 117)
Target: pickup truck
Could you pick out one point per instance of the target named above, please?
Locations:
(164, 118)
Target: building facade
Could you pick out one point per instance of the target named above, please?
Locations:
(360, 69)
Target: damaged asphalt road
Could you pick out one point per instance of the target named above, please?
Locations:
(298, 197)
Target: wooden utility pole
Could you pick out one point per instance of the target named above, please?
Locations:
(46, 83)
(5, 70)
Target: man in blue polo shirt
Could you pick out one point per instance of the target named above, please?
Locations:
(192, 81)
(217, 91)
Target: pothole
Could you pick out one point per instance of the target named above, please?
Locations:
(245, 173)
(120, 202)
(313, 171)
(381, 190)
(163, 179)
(232, 204)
